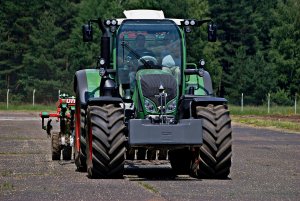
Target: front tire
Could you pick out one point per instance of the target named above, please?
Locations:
(214, 157)
(105, 141)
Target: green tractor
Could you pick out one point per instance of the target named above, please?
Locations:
(144, 101)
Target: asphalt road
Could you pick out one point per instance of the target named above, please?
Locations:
(266, 166)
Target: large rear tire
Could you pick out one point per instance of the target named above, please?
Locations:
(214, 157)
(106, 141)
(55, 146)
(80, 141)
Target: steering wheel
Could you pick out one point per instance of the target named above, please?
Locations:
(152, 60)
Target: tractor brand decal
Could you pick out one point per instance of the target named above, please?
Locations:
(70, 101)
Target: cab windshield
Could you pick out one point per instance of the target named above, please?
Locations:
(147, 44)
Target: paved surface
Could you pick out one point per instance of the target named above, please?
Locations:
(266, 166)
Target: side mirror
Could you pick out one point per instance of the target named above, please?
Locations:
(212, 32)
(87, 33)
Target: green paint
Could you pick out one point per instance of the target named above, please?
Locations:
(45, 114)
(93, 81)
(200, 90)
(197, 82)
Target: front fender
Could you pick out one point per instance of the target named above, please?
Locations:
(188, 103)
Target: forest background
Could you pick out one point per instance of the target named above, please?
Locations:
(257, 52)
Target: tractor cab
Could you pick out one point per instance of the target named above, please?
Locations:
(148, 44)
(149, 57)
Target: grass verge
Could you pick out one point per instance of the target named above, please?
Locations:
(27, 107)
(262, 110)
(268, 123)
(278, 117)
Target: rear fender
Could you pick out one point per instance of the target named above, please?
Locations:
(87, 82)
(202, 85)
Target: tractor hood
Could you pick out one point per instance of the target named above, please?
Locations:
(157, 90)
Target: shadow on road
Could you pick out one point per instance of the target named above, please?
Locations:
(151, 170)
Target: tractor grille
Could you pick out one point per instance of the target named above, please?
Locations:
(150, 86)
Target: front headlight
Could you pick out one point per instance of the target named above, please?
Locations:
(171, 107)
(150, 106)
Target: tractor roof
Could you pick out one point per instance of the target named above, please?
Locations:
(146, 14)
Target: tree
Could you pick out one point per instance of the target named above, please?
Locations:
(16, 19)
(285, 46)
(197, 45)
(47, 60)
(257, 51)
(244, 29)
(83, 55)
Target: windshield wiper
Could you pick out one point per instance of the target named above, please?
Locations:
(136, 55)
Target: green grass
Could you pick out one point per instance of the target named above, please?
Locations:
(259, 116)
(6, 173)
(148, 187)
(27, 107)
(7, 186)
(269, 123)
(263, 110)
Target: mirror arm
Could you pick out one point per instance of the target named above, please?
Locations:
(101, 25)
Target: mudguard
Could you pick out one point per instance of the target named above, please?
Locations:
(207, 83)
(87, 82)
